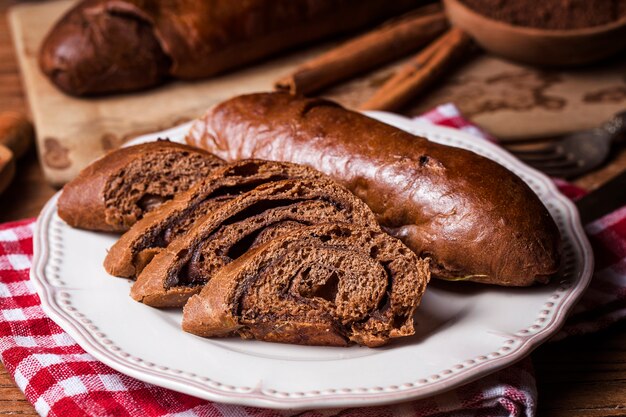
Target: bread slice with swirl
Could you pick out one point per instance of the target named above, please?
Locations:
(117, 190)
(181, 269)
(327, 284)
(134, 250)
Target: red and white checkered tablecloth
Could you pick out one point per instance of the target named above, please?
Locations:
(60, 379)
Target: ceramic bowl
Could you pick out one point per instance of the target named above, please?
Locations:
(534, 46)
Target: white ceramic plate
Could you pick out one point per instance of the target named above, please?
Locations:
(464, 331)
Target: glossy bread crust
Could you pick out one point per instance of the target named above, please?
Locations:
(474, 218)
(96, 50)
(107, 46)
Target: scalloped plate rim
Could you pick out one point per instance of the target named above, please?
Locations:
(181, 383)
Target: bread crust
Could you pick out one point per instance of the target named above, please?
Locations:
(476, 220)
(105, 46)
(95, 49)
(82, 203)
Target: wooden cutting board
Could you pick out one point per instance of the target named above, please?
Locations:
(509, 100)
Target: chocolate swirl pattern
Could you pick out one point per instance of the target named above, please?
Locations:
(224, 234)
(136, 248)
(328, 284)
(117, 190)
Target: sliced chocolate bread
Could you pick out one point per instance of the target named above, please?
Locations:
(328, 284)
(150, 235)
(116, 190)
(188, 262)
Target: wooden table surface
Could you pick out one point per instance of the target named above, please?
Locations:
(583, 376)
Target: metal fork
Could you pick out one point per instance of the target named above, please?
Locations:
(574, 154)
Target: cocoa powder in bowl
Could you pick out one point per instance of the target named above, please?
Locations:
(551, 14)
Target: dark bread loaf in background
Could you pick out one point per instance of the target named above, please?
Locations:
(474, 218)
(108, 46)
(94, 50)
(329, 284)
(115, 191)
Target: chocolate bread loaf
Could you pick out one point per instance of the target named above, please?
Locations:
(115, 191)
(107, 46)
(188, 262)
(328, 284)
(474, 218)
(129, 255)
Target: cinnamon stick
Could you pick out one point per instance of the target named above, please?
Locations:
(391, 41)
(420, 72)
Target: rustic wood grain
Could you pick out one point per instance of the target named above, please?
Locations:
(28, 193)
(584, 376)
(11, 96)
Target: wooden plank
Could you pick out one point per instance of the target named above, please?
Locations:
(601, 412)
(28, 193)
(583, 376)
(12, 401)
(12, 94)
(585, 396)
